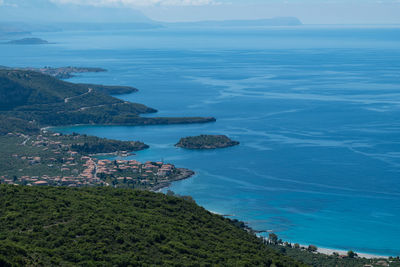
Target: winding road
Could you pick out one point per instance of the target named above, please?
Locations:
(66, 100)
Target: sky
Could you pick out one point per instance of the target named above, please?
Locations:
(308, 11)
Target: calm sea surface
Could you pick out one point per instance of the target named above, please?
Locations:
(316, 110)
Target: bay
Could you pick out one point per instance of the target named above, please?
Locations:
(315, 108)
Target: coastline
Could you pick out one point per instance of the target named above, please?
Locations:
(161, 121)
(340, 252)
(116, 153)
(330, 251)
(185, 174)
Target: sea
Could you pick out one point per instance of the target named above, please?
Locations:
(316, 110)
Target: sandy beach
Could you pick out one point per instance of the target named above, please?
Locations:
(329, 251)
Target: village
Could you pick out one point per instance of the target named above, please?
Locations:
(70, 168)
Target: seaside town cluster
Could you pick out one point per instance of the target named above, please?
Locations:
(76, 170)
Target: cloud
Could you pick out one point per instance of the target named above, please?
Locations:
(137, 2)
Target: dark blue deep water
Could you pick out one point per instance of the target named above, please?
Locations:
(316, 110)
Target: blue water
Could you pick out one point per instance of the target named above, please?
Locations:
(316, 110)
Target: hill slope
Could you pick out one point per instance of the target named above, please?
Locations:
(104, 226)
(33, 96)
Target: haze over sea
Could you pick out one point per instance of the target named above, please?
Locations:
(316, 110)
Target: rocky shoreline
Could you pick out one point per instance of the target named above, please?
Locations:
(185, 174)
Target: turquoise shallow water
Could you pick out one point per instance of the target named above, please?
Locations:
(316, 111)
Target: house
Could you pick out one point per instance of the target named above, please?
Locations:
(162, 172)
(41, 183)
(382, 263)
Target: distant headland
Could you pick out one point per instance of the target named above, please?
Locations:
(28, 41)
(272, 22)
(68, 72)
(65, 72)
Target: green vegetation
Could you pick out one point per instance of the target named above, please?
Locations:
(119, 227)
(17, 153)
(65, 72)
(132, 174)
(15, 125)
(17, 158)
(47, 101)
(111, 226)
(88, 145)
(111, 89)
(30, 100)
(60, 73)
(206, 142)
(351, 254)
(65, 160)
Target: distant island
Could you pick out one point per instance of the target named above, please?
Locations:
(28, 41)
(278, 21)
(206, 142)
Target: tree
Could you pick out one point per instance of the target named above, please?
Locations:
(188, 198)
(312, 248)
(297, 245)
(273, 238)
(351, 254)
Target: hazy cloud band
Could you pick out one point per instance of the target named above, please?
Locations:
(137, 2)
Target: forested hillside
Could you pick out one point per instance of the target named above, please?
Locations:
(48, 101)
(104, 226)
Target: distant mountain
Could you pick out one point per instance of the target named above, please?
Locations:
(46, 11)
(279, 21)
(28, 41)
(7, 29)
(33, 16)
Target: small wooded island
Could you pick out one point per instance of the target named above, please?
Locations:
(206, 142)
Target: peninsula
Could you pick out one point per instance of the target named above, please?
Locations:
(70, 160)
(45, 101)
(206, 142)
(69, 72)
(60, 73)
(65, 72)
(105, 221)
(32, 102)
